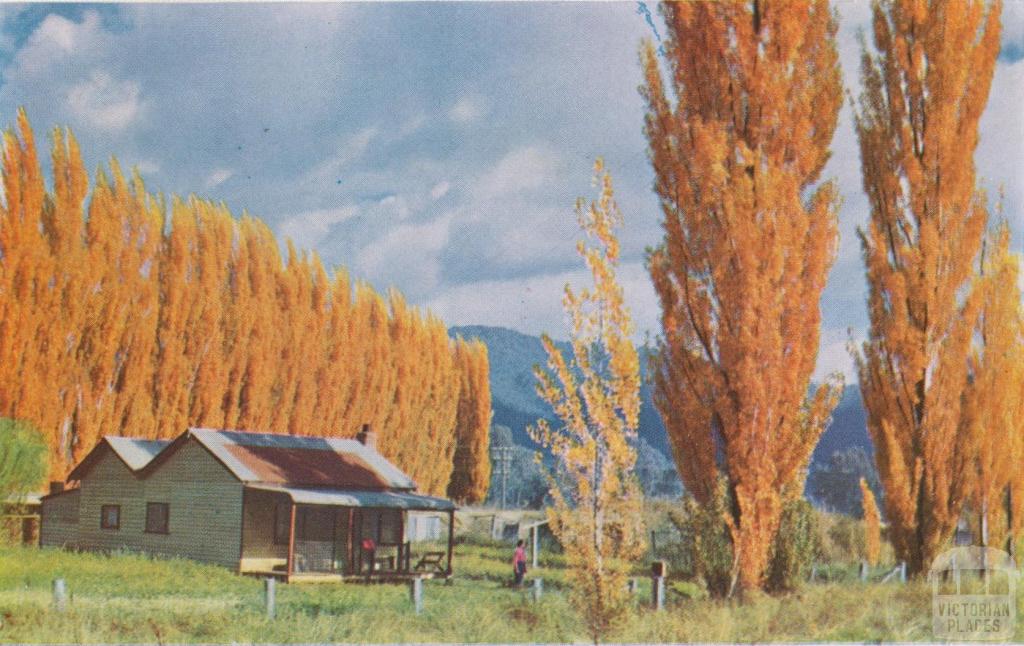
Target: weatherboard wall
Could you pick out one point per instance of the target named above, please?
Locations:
(204, 499)
(58, 525)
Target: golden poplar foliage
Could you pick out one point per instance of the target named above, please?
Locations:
(472, 473)
(596, 513)
(123, 315)
(748, 245)
(924, 89)
(993, 413)
(872, 524)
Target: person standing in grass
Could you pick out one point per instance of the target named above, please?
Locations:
(519, 563)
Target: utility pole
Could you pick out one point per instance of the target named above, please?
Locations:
(501, 456)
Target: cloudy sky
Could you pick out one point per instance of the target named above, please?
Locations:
(435, 147)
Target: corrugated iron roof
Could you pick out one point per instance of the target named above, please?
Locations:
(298, 460)
(308, 467)
(134, 452)
(358, 498)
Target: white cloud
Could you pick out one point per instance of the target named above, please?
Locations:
(834, 356)
(105, 102)
(522, 169)
(1000, 153)
(407, 255)
(218, 177)
(440, 190)
(1013, 23)
(533, 304)
(350, 151)
(412, 125)
(147, 167)
(467, 109)
(308, 229)
(55, 39)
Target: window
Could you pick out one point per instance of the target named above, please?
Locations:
(157, 517)
(110, 517)
(282, 523)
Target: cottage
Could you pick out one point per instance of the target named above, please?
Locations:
(297, 508)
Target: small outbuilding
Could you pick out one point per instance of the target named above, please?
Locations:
(296, 508)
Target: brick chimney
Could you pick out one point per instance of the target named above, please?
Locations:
(56, 486)
(367, 437)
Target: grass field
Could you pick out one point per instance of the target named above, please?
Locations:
(131, 598)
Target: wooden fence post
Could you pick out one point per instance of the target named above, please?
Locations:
(270, 596)
(538, 589)
(631, 585)
(863, 571)
(416, 593)
(60, 595)
(814, 573)
(658, 592)
(903, 571)
(535, 543)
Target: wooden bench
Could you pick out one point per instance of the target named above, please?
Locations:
(431, 561)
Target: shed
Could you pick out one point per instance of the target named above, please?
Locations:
(275, 505)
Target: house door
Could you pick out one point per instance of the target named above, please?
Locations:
(314, 539)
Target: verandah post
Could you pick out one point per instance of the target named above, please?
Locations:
(291, 541)
(451, 539)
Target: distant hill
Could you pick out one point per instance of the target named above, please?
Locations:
(848, 428)
(513, 395)
(516, 404)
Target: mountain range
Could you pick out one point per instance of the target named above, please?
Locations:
(516, 404)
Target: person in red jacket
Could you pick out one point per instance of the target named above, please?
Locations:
(519, 562)
(370, 550)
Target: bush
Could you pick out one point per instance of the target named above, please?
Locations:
(841, 537)
(795, 547)
(689, 590)
(707, 543)
(23, 458)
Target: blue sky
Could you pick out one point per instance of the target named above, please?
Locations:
(435, 147)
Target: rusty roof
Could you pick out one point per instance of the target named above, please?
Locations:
(307, 467)
(298, 460)
(267, 458)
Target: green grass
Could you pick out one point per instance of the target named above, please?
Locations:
(132, 598)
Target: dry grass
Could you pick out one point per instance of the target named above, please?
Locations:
(131, 598)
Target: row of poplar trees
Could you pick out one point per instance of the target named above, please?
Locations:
(123, 315)
(739, 134)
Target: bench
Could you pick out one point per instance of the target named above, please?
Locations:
(430, 561)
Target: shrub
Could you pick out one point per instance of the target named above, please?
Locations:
(689, 590)
(795, 547)
(23, 458)
(843, 540)
(707, 543)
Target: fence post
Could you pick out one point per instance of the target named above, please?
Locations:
(814, 572)
(416, 593)
(60, 595)
(631, 585)
(903, 571)
(863, 571)
(535, 543)
(270, 596)
(538, 589)
(658, 592)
